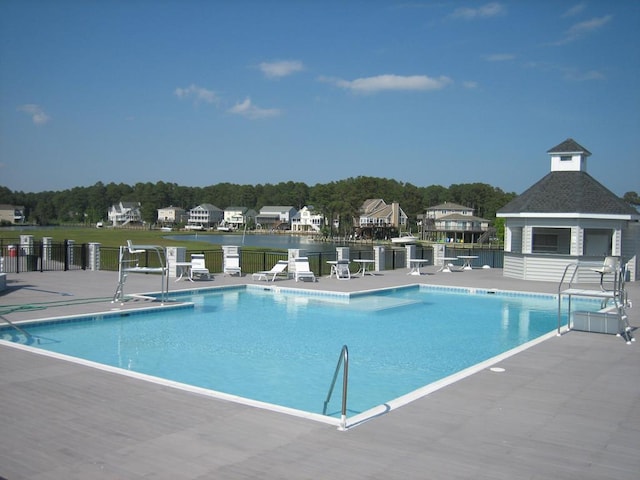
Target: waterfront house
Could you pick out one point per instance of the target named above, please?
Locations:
(307, 220)
(204, 216)
(124, 213)
(275, 217)
(171, 215)
(237, 217)
(451, 222)
(11, 214)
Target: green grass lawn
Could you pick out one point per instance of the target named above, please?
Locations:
(107, 237)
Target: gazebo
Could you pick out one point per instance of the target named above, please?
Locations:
(567, 216)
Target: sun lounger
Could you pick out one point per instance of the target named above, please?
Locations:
(232, 265)
(302, 269)
(198, 267)
(270, 275)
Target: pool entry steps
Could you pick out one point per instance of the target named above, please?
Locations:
(612, 317)
(130, 261)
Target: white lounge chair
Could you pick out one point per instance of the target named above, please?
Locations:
(302, 269)
(232, 265)
(198, 267)
(270, 275)
(341, 270)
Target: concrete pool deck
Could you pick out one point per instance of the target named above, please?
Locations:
(566, 408)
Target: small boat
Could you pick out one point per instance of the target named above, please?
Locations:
(405, 238)
(223, 227)
(165, 229)
(194, 227)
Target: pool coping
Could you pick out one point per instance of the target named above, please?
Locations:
(351, 422)
(565, 408)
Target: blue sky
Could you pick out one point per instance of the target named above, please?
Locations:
(200, 92)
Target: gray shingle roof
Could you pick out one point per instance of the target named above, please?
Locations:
(568, 192)
(569, 146)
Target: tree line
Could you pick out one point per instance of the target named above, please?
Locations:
(337, 199)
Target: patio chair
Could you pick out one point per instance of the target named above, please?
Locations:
(198, 267)
(232, 265)
(302, 269)
(341, 270)
(270, 275)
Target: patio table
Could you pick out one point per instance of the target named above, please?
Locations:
(466, 261)
(415, 264)
(364, 265)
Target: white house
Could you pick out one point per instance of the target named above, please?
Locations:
(171, 215)
(204, 216)
(236, 217)
(565, 217)
(124, 213)
(451, 222)
(11, 214)
(275, 217)
(306, 220)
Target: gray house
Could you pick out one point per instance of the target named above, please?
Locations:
(567, 216)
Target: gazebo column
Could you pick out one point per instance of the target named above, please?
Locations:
(616, 243)
(576, 241)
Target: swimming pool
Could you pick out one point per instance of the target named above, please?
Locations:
(280, 346)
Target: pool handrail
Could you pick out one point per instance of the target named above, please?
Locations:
(342, 360)
(16, 327)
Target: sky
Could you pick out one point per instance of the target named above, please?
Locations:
(199, 92)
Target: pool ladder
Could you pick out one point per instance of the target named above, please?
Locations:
(17, 328)
(344, 361)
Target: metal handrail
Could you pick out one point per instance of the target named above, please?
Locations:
(21, 330)
(343, 360)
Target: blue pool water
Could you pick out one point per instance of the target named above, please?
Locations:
(282, 348)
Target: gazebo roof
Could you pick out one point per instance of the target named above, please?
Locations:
(568, 192)
(569, 146)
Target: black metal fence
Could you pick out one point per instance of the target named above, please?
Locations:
(67, 255)
(36, 256)
(494, 257)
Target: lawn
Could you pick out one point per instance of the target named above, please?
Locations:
(107, 237)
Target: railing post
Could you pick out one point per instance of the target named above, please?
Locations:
(65, 246)
(345, 383)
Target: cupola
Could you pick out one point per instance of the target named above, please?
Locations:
(569, 156)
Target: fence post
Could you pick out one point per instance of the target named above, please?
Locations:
(65, 246)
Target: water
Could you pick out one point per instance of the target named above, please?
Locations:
(283, 348)
(281, 242)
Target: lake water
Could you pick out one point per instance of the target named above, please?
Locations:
(282, 242)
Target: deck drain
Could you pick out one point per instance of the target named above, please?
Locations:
(497, 369)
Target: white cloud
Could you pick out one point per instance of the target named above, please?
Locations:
(488, 10)
(573, 11)
(470, 84)
(390, 82)
(281, 68)
(198, 94)
(499, 57)
(588, 26)
(578, 76)
(249, 110)
(583, 29)
(37, 114)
